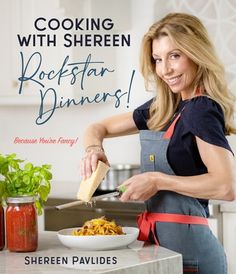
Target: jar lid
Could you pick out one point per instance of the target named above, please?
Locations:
(20, 199)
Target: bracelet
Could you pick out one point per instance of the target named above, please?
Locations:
(99, 148)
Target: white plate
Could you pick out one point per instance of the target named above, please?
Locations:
(98, 242)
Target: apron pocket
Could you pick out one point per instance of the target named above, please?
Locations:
(190, 266)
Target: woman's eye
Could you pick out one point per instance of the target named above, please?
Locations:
(174, 56)
(157, 60)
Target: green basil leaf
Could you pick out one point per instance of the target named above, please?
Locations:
(26, 179)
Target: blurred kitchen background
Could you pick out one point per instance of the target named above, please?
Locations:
(18, 112)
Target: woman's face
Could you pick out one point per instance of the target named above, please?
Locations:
(174, 67)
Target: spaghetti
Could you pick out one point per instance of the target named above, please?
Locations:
(99, 226)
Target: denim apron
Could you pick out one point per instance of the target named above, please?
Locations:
(176, 221)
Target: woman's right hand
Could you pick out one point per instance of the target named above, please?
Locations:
(89, 162)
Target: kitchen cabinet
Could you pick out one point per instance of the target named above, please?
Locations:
(17, 20)
(9, 26)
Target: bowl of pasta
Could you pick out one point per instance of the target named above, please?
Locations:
(98, 234)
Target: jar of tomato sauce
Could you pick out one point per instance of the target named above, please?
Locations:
(2, 229)
(21, 224)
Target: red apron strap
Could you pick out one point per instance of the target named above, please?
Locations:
(168, 134)
(146, 222)
(146, 225)
(178, 218)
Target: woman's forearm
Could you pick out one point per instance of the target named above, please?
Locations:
(205, 186)
(115, 126)
(94, 135)
(217, 183)
(118, 125)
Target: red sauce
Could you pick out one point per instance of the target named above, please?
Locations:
(21, 225)
(2, 232)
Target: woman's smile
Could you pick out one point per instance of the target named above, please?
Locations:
(173, 80)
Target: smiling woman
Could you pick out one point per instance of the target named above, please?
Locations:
(174, 67)
(185, 157)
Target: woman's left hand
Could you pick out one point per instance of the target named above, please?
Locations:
(140, 187)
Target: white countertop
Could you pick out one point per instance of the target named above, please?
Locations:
(137, 259)
(228, 207)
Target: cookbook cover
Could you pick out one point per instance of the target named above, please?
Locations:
(68, 63)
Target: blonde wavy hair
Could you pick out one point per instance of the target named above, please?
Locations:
(190, 36)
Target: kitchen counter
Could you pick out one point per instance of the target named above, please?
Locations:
(52, 257)
(228, 207)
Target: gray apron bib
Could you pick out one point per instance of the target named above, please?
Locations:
(202, 253)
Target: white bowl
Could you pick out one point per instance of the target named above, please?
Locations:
(98, 242)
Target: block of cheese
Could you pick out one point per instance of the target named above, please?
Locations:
(88, 187)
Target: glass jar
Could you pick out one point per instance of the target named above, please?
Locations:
(21, 224)
(2, 229)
